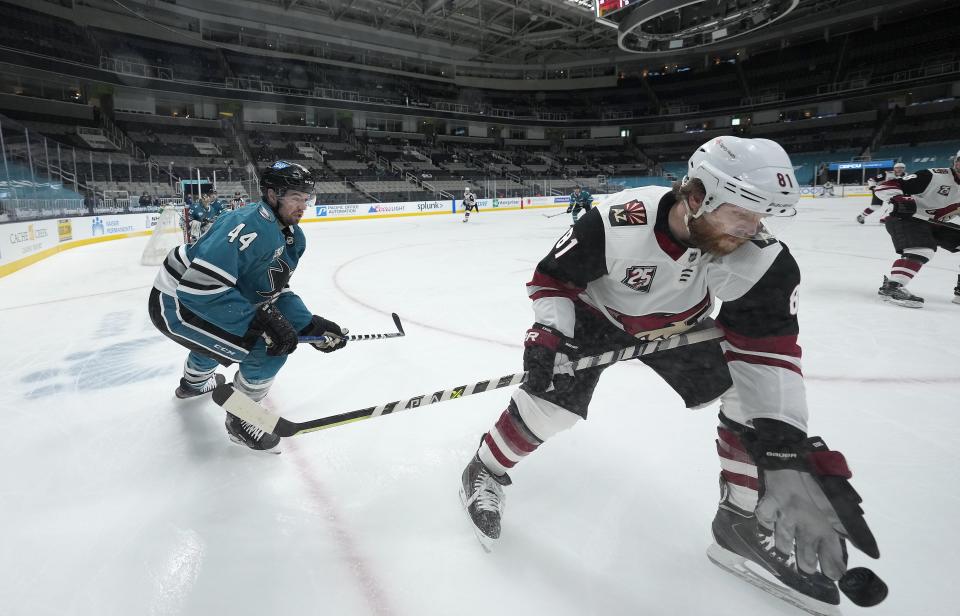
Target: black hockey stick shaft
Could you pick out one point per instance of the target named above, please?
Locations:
(555, 215)
(351, 337)
(243, 407)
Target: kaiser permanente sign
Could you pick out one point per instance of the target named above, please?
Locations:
(24, 243)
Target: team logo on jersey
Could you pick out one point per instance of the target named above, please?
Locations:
(640, 277)
(630, 213)
(943, 190)
(279, 273)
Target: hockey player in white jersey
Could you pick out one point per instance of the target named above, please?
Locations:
(924, 216)
(899, 170)
(649, 263)
(469, 203)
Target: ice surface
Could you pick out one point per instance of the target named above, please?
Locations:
(118, 499)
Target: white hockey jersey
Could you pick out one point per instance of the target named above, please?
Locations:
(936, 191)
(621, 260)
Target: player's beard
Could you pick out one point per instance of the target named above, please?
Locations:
(708, 238)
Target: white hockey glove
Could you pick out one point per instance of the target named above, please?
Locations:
(195, 228)
(806, 499)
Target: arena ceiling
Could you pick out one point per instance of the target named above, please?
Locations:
(515, 33)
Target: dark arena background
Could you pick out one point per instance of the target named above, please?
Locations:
(117, 115)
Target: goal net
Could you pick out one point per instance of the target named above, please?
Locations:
(170, 232)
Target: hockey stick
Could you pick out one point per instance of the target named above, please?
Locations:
(398, 334)
(555, 215)
(252, 412)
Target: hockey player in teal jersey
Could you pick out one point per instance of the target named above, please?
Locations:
(203, 213)
(227, 297)
(579, 200)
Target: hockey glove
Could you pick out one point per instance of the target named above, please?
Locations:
(806, 499)
(903, 206)
(276, 330)
(945, 213)
(336, 335)
(544, 351)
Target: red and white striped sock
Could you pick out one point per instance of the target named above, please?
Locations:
(904, 270)
(508, 442)
(738, 470)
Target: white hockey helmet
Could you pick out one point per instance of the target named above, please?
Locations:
(899, 167)
(466, 190)
(755, 174)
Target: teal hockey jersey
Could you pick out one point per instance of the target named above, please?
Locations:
(245, 259)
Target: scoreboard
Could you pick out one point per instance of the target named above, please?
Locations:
(610, 12)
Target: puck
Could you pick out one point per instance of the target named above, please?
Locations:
(863, 587)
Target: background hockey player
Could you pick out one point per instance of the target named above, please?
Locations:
(227, 298)
(648, 264)
(925, 207)
(899, 170)
(579, 200)
(203, 213)
(469, 203)
(237, 202)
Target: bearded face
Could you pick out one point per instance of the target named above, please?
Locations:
(725, 229)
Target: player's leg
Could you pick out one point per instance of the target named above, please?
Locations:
(529, 420)
(199, 375)
(874, 204)
(208, 344)
(256, 374)
(254, 378)
(699, 375)
(948, 238)
(738, 535)
(914, 242)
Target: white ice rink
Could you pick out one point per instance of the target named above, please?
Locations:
(119, 500)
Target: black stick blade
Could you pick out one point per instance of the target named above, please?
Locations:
(396, 321)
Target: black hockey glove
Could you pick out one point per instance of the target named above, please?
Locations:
(276, 330)
(544, 350)
(903, 206)
(322, 327)
(569, 209)
(806, 498)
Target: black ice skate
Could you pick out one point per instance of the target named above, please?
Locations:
(481, 493)
(896, 293)
(244, 433)
(188, 390)
(743, 547)
(956, 292)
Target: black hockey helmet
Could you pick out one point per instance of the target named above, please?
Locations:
(283, 176)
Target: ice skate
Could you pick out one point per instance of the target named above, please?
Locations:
(189, 390)
(860, 218)
(743, 547)
(244, 433)
(481, 493)
(896, 293)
